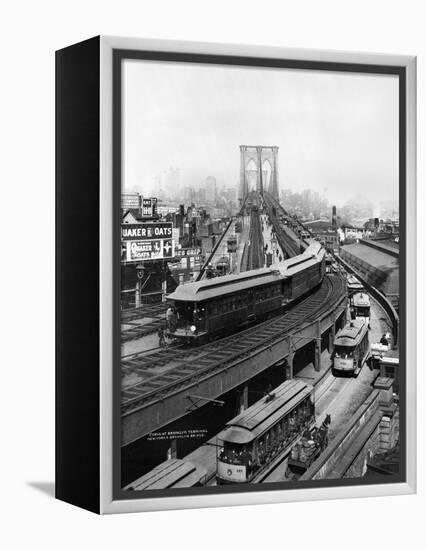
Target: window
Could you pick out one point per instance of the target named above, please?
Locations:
(345, 352)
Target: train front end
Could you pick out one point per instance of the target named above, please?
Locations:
(343, 359)
(234, 463)
(186, 316)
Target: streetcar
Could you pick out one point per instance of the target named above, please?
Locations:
(255, 442)
(354, 285)
(360, 306)
(351, 348)
(223, 265)
(171, 474)
(207, 309)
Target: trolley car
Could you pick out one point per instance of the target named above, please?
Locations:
(222, 266)
(360, 305)
(256, 441)
(351, 347)
(207, 309)
(354, 285)
(174, 473)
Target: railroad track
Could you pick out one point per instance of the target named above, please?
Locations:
(253, 256)
(285, 240)
(148, 310)
(191, 365)
(155, 311)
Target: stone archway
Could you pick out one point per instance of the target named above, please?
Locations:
(260, 156)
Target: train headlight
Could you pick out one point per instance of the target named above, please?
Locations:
(193, 328)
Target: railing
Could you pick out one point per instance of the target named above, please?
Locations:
(382, 248)
(378, 296)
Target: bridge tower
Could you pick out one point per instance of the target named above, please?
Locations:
(254, 158)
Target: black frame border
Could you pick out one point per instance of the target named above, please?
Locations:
(120, 55)
(77, 132)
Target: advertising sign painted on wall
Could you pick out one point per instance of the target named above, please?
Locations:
(232, 244)
(146, 231)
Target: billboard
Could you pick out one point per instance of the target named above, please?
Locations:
(146, 231)
(232, 244)
(149, 207)
(147, 241)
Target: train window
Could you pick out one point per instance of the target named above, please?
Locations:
(233, 453)
(344, 351)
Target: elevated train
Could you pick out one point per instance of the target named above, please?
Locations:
(206, 309)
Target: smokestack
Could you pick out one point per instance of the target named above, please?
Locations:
(334, 218)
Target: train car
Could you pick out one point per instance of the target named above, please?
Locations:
(209, 308)
(360, 306)
(328, 262)
(174, 473)
(222, 265)
(351, 348)
(354, 285)
(256, 441)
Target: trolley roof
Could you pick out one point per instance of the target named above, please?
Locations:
(351, 334)
(219, 286)
(361, 299)
(171, 473)
(353, 282)
(262, 415)
(213, 288)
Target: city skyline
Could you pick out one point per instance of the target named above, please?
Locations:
(335, 131)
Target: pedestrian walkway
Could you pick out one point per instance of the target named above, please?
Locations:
(270, 241)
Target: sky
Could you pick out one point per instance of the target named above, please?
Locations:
(337, 133)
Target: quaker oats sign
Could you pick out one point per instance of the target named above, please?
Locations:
(151, 247)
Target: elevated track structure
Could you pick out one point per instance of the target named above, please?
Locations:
(158, 388)
(377, 295)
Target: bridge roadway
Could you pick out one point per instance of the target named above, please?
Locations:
(157, 388)
(288, 239)
(253, 256)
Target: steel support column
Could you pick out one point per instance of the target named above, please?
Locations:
(331, 336)
(244, 399)
(317, 358)
(290, 357)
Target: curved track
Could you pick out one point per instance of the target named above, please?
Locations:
(187, 366)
